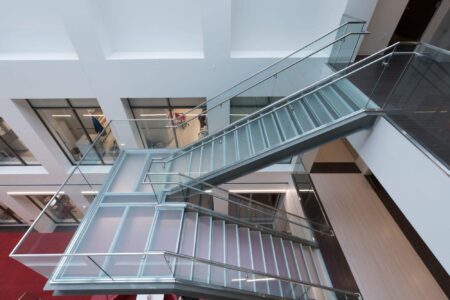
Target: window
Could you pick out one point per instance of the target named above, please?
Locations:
(12, 150)
(8, 217)
(253, 212)
(160, 115)
(75, 124)
(241, 107)
(61, 211)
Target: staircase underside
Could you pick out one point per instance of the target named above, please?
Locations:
(322, 135)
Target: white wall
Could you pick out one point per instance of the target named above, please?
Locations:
(109, 51)
(385, 18)
(418, 186)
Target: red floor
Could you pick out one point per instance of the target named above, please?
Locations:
(16, 279)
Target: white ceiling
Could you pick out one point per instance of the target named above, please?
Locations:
(152, 25)
(266, 25)
(28, 26)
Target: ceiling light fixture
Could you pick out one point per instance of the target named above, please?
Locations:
(153, 115)
(258, 191)
(34, 193)
(61, 116)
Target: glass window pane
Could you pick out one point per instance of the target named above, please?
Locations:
(186, 102)
(148, 102)
(155, 130)
(7, 157)
(61, 210)
(90, 103)
(95, 123)
(11, 146)
(36, 103)
(7, 216)
(69, 133)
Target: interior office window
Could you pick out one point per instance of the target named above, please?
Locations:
(61, 210)
(158, 118)
(241, 107)
(12, 150)
(8, 217)
(252, 211)
(75, 124)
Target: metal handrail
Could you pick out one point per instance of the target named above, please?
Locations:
(251, 201)
(279, 61)
(264, 79)
(238, 221)
(194, 259)
(199, 106)
(288, 99)
(246, 270)
(44, 209)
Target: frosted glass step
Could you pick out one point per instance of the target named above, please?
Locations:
(320, 267)
(137, 225)
(258, 259)
(165, 237)
(128, 173)
(230, 147)
(303, 118)
(165, 234)
(339, 105)
(218, 152)
(232, 256)
(245, 149)
(310, 265)
(280, 256)
(318, 110)
(207, 155)
(354, 94)
(257, 136)
(181, 164)
(203, 249)
(184, 268)
(271, 130)
(245, 255)
(286, 123)
(298, 290)
(271, 264)
(218, 252)
(298, 251)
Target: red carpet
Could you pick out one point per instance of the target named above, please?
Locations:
(16, 279)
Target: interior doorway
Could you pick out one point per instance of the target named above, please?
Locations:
(415, 19)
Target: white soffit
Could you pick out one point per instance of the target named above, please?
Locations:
(32, 30)
(152, 29)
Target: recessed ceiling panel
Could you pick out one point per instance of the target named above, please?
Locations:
(265, 25)
(149, 26)
(32, 28)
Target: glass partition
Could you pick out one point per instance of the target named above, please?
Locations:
(8, 217)
(74, 124)
(299, 70)
(61, 210)
(175, 110)
(12, 150)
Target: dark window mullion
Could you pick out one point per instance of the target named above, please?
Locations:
(13, 151)
(85, 131)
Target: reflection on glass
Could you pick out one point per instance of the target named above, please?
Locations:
(163, 114)
(75, 124)
(61, 210)
(12, 150)
(241, 107)
(7, 216)
(253, 212)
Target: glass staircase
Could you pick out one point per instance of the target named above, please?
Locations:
(158, 223)
(155, 225)
(187, 245)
